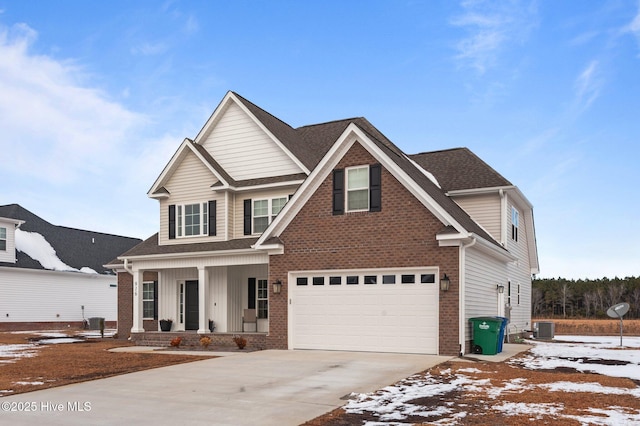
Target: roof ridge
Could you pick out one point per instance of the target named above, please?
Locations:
(324, 123)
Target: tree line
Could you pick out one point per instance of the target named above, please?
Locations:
(559, 297)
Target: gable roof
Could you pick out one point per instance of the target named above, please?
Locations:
(459, 168)
(76, 248)
(394, 160)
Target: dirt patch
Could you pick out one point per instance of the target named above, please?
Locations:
(51, 365)
(474, 406)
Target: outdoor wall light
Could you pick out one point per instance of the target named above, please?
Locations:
(500, 288)
(445, 283)
(277, 287)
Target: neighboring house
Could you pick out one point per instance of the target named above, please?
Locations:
(52, 276)
(333, 235)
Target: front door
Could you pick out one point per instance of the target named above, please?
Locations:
(191, 317)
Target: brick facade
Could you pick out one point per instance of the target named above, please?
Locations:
(125, 304)
(402, 234)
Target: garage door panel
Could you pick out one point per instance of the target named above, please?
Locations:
(366, 317)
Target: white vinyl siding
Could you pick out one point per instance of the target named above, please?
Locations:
(482, 276)
(58, 296)
(190, 184)
(484, 209)
(244, 150)
(520, 274)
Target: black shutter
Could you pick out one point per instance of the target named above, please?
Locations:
(155, 300)
(172, 222)
(247, 217)
(375, 188)
(212, 218)
(338, 191)
(252, 294)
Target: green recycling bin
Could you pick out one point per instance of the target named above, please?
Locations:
(486, 335)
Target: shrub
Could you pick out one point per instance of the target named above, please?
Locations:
(175, 342)
(240, 341)
(205, 341)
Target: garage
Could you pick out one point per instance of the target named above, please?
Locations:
(365, 310)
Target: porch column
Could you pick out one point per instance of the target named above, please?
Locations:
(203, 300)
(137, 302)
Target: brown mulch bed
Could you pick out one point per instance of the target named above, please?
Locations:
(66, 363)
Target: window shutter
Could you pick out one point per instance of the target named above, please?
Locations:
(247, 217)
(212, 218)
(172, 222)
(155, 300)
(375, 188)
(251, 302)
(338, 191)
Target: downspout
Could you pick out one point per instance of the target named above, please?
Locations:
(127, 267)
(461, 293)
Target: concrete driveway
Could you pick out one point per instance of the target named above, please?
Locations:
(266, 388)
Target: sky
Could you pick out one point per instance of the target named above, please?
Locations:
(95, 97)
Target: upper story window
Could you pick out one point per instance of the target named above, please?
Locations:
(258, 214)
(3, 239)
(515, 223)
(357, 189)
(192, 220)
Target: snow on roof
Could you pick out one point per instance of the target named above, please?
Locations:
(38, 248)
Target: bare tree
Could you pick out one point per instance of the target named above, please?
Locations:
(537, 301)
(565, 293)
(614, 293)
(589, 299)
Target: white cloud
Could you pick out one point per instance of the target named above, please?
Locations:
(634, 27)
(54, 125)
(491, 27)
(588, 85)
(150, 49)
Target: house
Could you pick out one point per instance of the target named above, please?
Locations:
(332, 235)
(53, 276)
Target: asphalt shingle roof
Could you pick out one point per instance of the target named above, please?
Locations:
(75, 247)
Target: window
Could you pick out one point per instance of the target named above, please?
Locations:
(515, 223)
(388, 279)
(181, 301)
(149, 300)
(353, 279)
(358, 188)
(318, 280)
(264, 211)
(302, 281)
(3, 239)
(335, 280)
(370, 279)
(263, 296)
(427, 278)
(192, 220)
(408, 279)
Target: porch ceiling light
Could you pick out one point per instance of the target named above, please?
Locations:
(500, 288)
(445, 283)
(277, 287)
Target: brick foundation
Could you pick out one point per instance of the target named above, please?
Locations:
(192, 339)
(54, 325)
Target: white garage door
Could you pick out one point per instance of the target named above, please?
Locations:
(374, 311)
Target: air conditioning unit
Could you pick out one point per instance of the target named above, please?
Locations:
(544, 330)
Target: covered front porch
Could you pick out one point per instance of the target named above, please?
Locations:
(255, 341)
(229, 290)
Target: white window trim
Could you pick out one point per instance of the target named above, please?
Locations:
(515, 223)
(270, 216)
(4, 238)
(152, 300)
(264, 283)
(204, 219)
(347, 189)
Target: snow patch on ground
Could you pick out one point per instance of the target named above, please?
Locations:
(10, 353)
(410, 397)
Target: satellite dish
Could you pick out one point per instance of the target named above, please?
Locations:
(617, 311)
